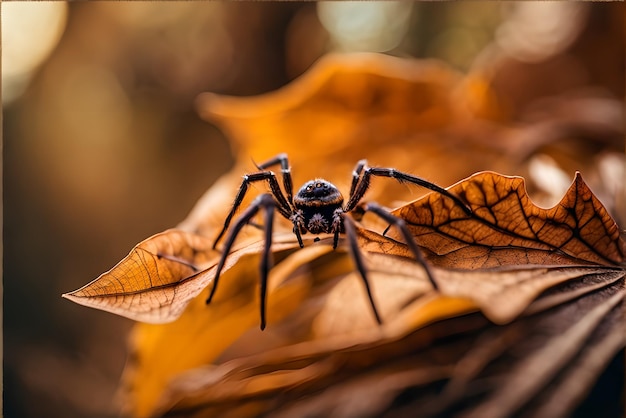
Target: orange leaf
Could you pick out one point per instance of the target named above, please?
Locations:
(506, 228)
(353, 106)
(159, 277)
(329, 308)
(141, 286)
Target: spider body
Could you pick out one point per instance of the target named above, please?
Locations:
(317, 208)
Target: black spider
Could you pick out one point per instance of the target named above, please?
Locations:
(318, 208)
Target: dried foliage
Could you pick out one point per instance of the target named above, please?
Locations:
(527, 316)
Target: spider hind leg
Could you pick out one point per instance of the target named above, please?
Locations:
(400, 224)
(353, 245)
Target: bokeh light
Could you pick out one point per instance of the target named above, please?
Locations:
(365, 26)
(534, 31)
(29, 33)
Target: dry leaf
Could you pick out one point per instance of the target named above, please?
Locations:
(506, 226)
(347, 377)
(329, 309)
(335, 371)
(141, 286)
(159, 277)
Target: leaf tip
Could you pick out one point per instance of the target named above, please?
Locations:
(578, 177)
(70, 296)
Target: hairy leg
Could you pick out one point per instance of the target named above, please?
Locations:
(359, 190)
(283, 206)
(285, 170)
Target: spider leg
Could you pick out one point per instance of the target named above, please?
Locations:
(406, 234)
(297, 219)
(356, 174)
(285, 170)
(266, 257)
(270, 177)
(363, 185)
(265, 201)
(337, 226)
(355, 252)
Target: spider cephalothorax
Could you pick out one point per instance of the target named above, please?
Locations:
(318, 208)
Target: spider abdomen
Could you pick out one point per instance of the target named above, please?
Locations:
(317, 224)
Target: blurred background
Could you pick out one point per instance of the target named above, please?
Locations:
(103, 145)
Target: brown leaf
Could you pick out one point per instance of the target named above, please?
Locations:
(159, 277)
(325, 307)
(473, 359)
(141, 286)
(506, 228)
(397, 97)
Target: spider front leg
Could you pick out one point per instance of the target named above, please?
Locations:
(356, 175)
(283, 205)
(265, 201)
(285, 170)
(358, 190)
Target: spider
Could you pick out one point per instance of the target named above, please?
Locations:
(318, 208)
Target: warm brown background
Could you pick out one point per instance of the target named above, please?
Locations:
(105, 148)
